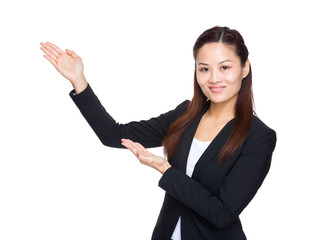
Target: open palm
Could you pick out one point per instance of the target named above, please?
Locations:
(68, 63)
(145, 157)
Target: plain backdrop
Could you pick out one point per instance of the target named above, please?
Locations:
(57, 181)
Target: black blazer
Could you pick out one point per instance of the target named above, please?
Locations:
(210, 202)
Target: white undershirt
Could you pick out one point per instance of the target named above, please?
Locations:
(197, 149)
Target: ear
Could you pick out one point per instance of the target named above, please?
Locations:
(246, 69)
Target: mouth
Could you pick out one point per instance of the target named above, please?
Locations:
(217, 89)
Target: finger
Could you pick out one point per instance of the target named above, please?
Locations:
(141, 148)
(71, 53)
(52, 61)
(51, 49)
(58, 50)
(136, 148)
(49, 53)
(144, 159)
(130, 146)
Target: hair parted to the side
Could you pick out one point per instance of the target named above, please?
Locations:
(243, 107)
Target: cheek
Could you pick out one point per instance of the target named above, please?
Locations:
(201, 79)
(236, 84)
(234, 78)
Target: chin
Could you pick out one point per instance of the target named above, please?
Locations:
(222, 99)
(217, 100)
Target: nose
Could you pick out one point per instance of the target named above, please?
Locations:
(215, 77)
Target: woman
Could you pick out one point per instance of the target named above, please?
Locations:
(218, 152)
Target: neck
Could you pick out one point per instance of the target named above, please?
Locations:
(222, 111)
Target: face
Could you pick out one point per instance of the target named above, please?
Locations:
(219, 72)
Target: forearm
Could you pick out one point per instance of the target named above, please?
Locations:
(97, 117)
(197, 197)
(233, 195)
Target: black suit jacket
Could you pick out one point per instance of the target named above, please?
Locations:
(210, 202)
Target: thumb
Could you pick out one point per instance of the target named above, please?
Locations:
(71, 53)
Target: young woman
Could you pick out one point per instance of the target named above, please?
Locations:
(218, 151)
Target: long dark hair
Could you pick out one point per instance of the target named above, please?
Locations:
(244, 103)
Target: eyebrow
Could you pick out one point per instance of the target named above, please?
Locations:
(218, 63)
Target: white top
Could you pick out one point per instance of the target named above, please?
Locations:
(197, 149)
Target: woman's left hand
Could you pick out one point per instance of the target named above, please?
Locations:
(145, 157)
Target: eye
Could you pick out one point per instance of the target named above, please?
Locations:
(224, 67)
(204, 69)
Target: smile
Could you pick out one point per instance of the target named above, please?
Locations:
(217, 89)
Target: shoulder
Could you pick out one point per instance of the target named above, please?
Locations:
(181, 108)
(165, 119)
(261, 138)
(184, 105)
(259, 126)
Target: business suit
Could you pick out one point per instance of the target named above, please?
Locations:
(210, 202)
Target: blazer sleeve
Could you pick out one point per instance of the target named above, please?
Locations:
(147, 132)
(238, 188)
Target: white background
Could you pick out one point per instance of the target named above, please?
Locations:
(57, 181)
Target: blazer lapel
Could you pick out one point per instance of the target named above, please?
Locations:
(211, 153)
(186, 141)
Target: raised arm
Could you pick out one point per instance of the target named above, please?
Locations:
(150, 133)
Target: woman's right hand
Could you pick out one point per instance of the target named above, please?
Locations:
(68, 63)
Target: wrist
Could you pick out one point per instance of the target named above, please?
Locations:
(166, 165)
(79, 83)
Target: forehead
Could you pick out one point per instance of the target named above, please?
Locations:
(216, 52)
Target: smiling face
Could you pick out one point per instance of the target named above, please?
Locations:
(219, 72)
